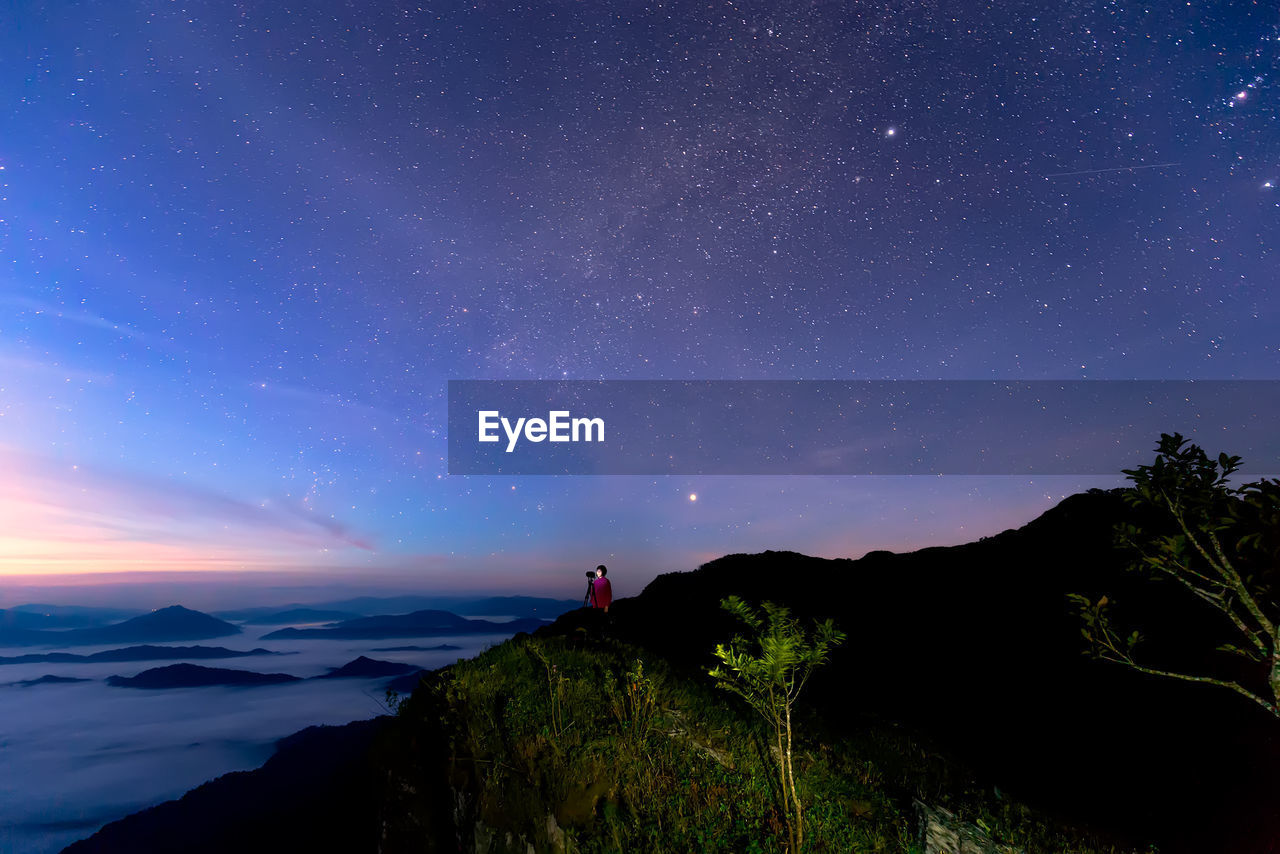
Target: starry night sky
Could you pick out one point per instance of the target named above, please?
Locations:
(244, 246)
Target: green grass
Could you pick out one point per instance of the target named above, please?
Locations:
(629, 756)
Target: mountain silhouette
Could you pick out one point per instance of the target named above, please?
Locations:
(365, 668)
(14, 619)
(196, 676)
(371, 606)
(174, 623)
(48, 679)
(41, 616)
(467, 606)
(145, 652)
(416, 624)
(514, 606)
(320, 792)
(300, 615)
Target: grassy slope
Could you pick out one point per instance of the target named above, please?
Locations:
(629, 755)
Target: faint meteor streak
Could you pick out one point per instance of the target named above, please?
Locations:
(1115, 169)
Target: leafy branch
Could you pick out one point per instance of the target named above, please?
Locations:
(1221, 545)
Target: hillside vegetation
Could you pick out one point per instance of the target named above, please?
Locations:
(583, 743)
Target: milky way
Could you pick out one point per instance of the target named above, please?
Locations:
(246, 245)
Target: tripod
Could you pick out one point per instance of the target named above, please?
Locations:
(589, 600)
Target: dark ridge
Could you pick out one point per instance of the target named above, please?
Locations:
(417, 624)
(15, 619)
(41, 616)
(174, 623)
(321, 791)
(440, 648)
(365, 668)
(48, 679)
(146, 652)
(369, 606)
(195, 676)
(300, 615)
(515, 606)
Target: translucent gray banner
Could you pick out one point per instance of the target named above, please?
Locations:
(869, 427)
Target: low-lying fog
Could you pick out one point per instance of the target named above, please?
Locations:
(76, 756)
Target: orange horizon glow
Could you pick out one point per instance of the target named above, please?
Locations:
(69, 520)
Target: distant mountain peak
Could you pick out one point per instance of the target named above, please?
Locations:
(173, 623)
(186, 675)
(365, 667)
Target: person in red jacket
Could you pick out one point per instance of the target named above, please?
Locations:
(601, 590)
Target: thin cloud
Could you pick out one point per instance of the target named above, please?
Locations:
(320, 399)
(83, 318)
(67, 518)
(25, 366)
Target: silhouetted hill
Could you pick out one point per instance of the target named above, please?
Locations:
(300, 615)
(146, 652)
(358, 606)
(196, 676)
(977, 646)
(436, 648)
(174, 623)
(372, 606)
(484, 606)
(13, 619)
(41, 616)
(514, 606)
(321, 791)
(417, 624)
(47, 679)
(365, 668)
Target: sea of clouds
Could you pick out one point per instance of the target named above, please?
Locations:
(77, 756)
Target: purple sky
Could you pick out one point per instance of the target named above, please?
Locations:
(245, 247)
